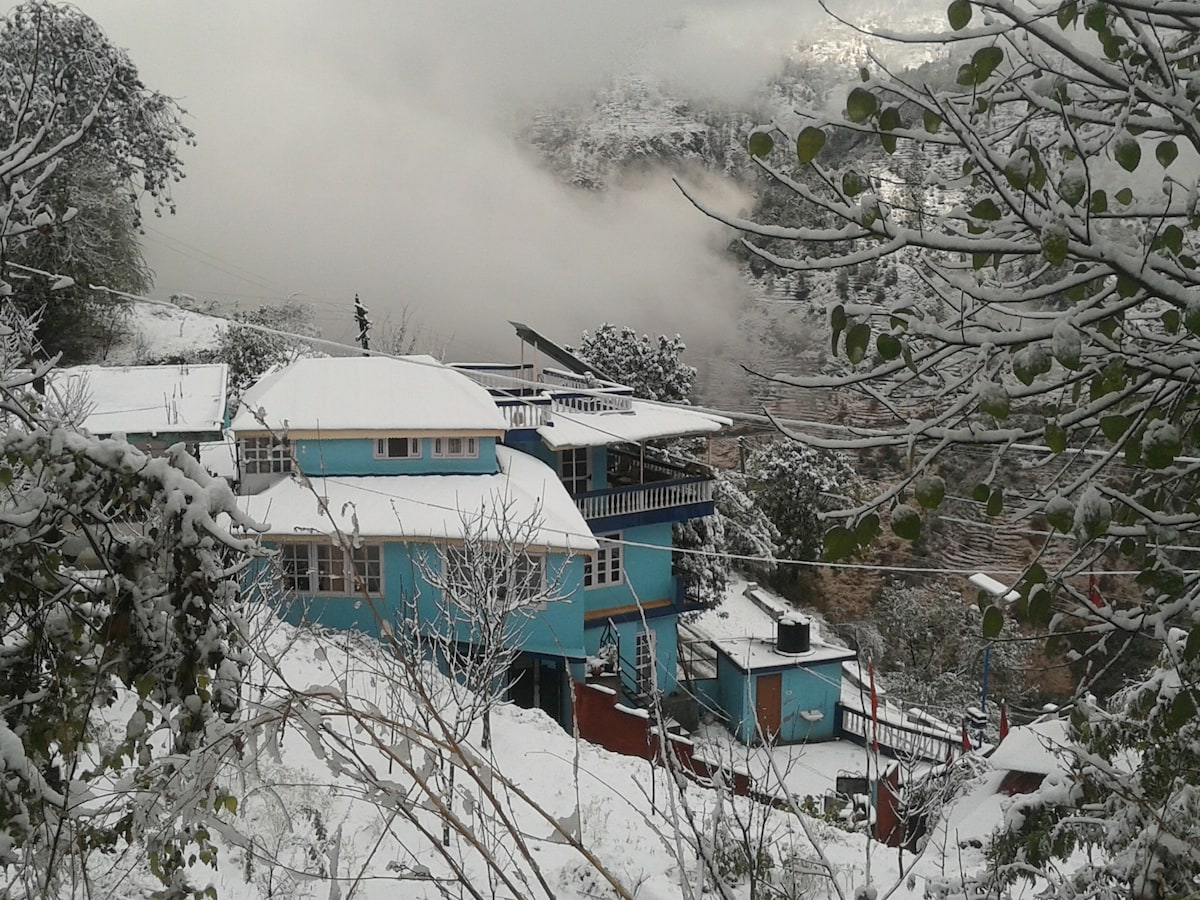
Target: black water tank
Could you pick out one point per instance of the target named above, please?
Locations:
(794, 632)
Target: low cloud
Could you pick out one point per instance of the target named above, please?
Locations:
(366, 148)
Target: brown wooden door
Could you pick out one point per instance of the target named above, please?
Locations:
(768, 696)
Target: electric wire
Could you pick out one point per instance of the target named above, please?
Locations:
(517, 381)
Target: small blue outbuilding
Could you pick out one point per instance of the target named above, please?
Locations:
(784, 690)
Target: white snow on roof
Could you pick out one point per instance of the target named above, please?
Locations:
(752, 653)
(1039, 747)
(374, 393)
(220, 457)
(147, 399)
(428, 506)
(646, 421)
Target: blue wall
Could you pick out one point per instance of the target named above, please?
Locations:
(555, 630)
(803, 688)
(646, 571)
(354, 456)
(665, 642)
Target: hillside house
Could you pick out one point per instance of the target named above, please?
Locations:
(153, 406)
(406, 454)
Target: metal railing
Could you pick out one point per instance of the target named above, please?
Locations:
(625, 468)
(899, 739)
(641, 498)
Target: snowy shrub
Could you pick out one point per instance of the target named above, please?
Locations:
(654, 368)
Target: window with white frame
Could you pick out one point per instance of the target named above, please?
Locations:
(456, 447)
(573, 469)
(604, 566)
(325, 568)
(398, 448)
(519, 576)
(266, 456)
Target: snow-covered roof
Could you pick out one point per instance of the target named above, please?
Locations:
(369, 393)
(220, 457)
(146, 399)
(427, 507)
(751, 653)
(644, 422)
(1039, 747)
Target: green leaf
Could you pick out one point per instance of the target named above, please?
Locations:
(1055, 245)
(837, 317)
(760, 144)
(932, 121)
(1192, 648)
(853, 184)
(1114, 426)
(1171, 238)
(994, 400)
(809, 144)
(1060, 513)
(1056, 437)
(993, 622)
(995, 502)
(979, 260)
(857, 340)
(1125, 196)
(930, 492)
(965, 75)
(1096, 17)
(985, 60)
(1099, 203)
(860, 105)
(888, 142)
(959, 14)
(6, 476)
(889, 119)
(980, 493)
(1165, 153)
(1127, 152)
(1067, 13)
(1171, 320)
(986, 210)
(1182, 711)
(867, 528)
(1040, 600)
(1072, 189)
(864, 74)
(888, 346)
(906, 522)
(839, 543)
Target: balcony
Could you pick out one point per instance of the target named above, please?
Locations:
(646, 491)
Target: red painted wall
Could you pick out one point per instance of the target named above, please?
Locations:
(601, 721)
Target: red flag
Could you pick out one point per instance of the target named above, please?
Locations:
(874, 707)
(966, 740)
(1094, 592)
(1003, 721)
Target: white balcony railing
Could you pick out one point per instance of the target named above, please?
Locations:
(644, 498)
(525, 413)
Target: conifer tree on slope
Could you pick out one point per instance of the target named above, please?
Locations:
(1062, 261)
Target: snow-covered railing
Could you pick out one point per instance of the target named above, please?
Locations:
(593, 403)
(559, 378)
(899, 739)
(525, 413)
(498, 376)
(641, 498)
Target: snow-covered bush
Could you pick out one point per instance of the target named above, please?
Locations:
(793, 484)
(653, 367)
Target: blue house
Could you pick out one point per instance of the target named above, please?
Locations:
(412, 458)
(402, 460)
